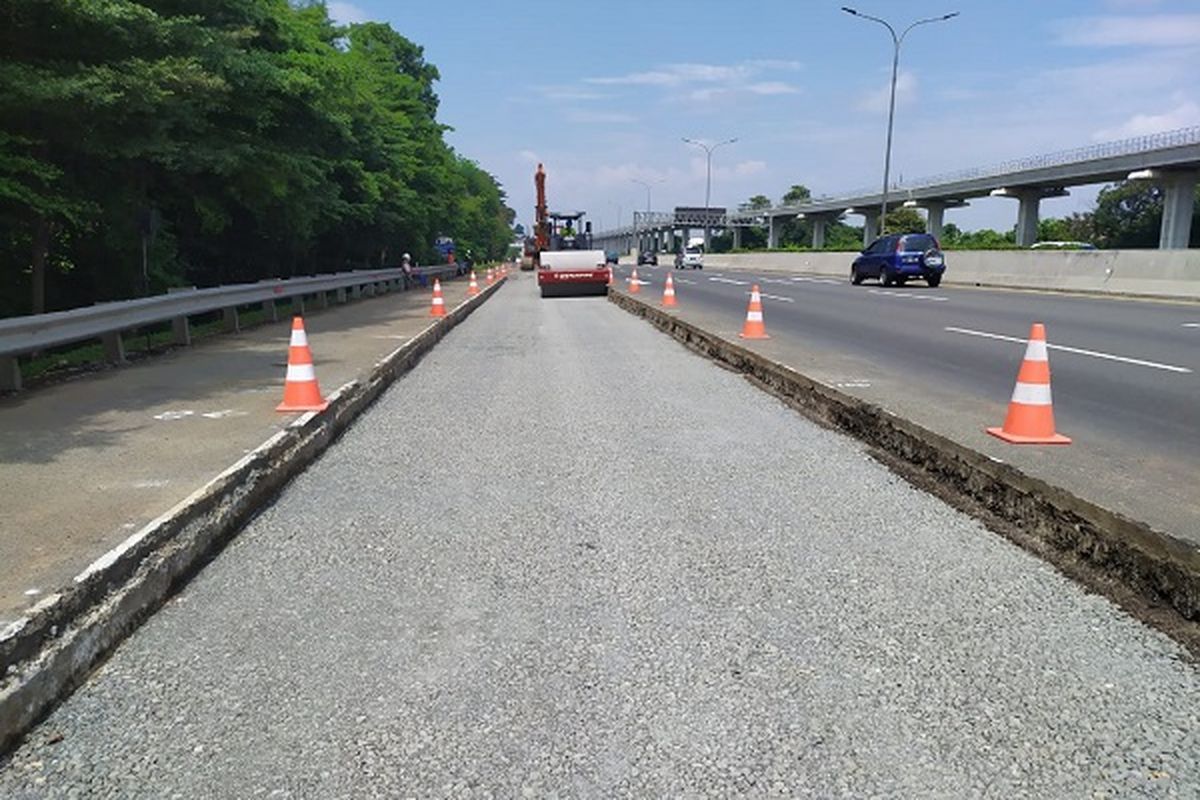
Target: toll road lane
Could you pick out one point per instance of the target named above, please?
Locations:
(1126, 374)
(707, 596)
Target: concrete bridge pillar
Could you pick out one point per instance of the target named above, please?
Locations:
(737, 238)
(1027, 217)
(818, 232)
(870, 227)
(1178, 204)
(772, 233)
(935, 214)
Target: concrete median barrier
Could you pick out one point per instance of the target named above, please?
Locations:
(53, 647)
(1138, 567)
(1171, 274)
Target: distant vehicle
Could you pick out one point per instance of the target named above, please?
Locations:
(612, 257)
(896, 257)
(691, 257)
(1063, 246)
(647, 257)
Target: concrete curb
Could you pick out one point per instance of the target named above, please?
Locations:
(47, 653)
(1155, 567)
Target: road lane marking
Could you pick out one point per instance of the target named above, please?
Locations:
(682, 280)
(728, 280)
(909, 295)
(775, 297)
(1191, 324)
(1094, 354)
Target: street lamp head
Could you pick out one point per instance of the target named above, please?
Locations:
(849, 10)
(951, 15)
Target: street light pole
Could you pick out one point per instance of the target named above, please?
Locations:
(896, 41)
(708, 151)
(647, 185)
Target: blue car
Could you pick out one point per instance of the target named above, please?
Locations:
(896, 257)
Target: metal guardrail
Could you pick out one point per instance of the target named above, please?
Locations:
(19, 335)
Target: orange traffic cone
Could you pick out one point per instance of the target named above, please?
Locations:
(491, 277)
(473, 286)
(635, 285)
(300, 390)
(668, 300)
(438, 309)
(1030, 417)
(754, 327)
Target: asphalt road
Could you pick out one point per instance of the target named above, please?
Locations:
(1127, 390)
(566, 557)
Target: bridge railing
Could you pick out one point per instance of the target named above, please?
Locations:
(1183, 137)
(106, 321)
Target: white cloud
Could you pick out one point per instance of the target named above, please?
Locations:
(346, 13)
(600, 117)
(1158, 30)
(676, 75)
(706, 83)
(528, 156)
(568, 93)
(1183, 115)
(771, 87)
(906, 92)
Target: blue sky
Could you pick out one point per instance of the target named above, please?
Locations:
(603, 92)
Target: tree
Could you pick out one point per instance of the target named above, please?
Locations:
(905, 220)
(794, 232)
(227, 140)
(756, 203)
(796, 195)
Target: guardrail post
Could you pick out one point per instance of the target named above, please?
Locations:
(340, 295)
(270, 312)
(322, 299)
(356, 292)
(10, 374)
(369, 289)
(229, 317)
(114, 348)
(181, 331)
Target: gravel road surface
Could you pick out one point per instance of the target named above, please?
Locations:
(565, 557)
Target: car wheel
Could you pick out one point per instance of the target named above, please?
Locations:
(855, 278)
(885, 277)
(900, 281)
(933, 281)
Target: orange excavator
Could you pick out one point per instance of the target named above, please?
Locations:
(560, 250)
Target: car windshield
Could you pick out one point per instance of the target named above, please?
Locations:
(919, 242)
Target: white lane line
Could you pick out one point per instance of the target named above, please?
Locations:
(1191, 324)
(681, 280)
(890, 293)
(827, 280)
(715, 279)
(1094, 354)
(775, 297)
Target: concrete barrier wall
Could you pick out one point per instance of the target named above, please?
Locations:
(1149, 273)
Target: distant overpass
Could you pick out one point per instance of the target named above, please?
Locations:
(1170, 159)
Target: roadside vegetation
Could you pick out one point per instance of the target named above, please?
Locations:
(162, 143)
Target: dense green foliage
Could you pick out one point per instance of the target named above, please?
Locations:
(213, 141)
